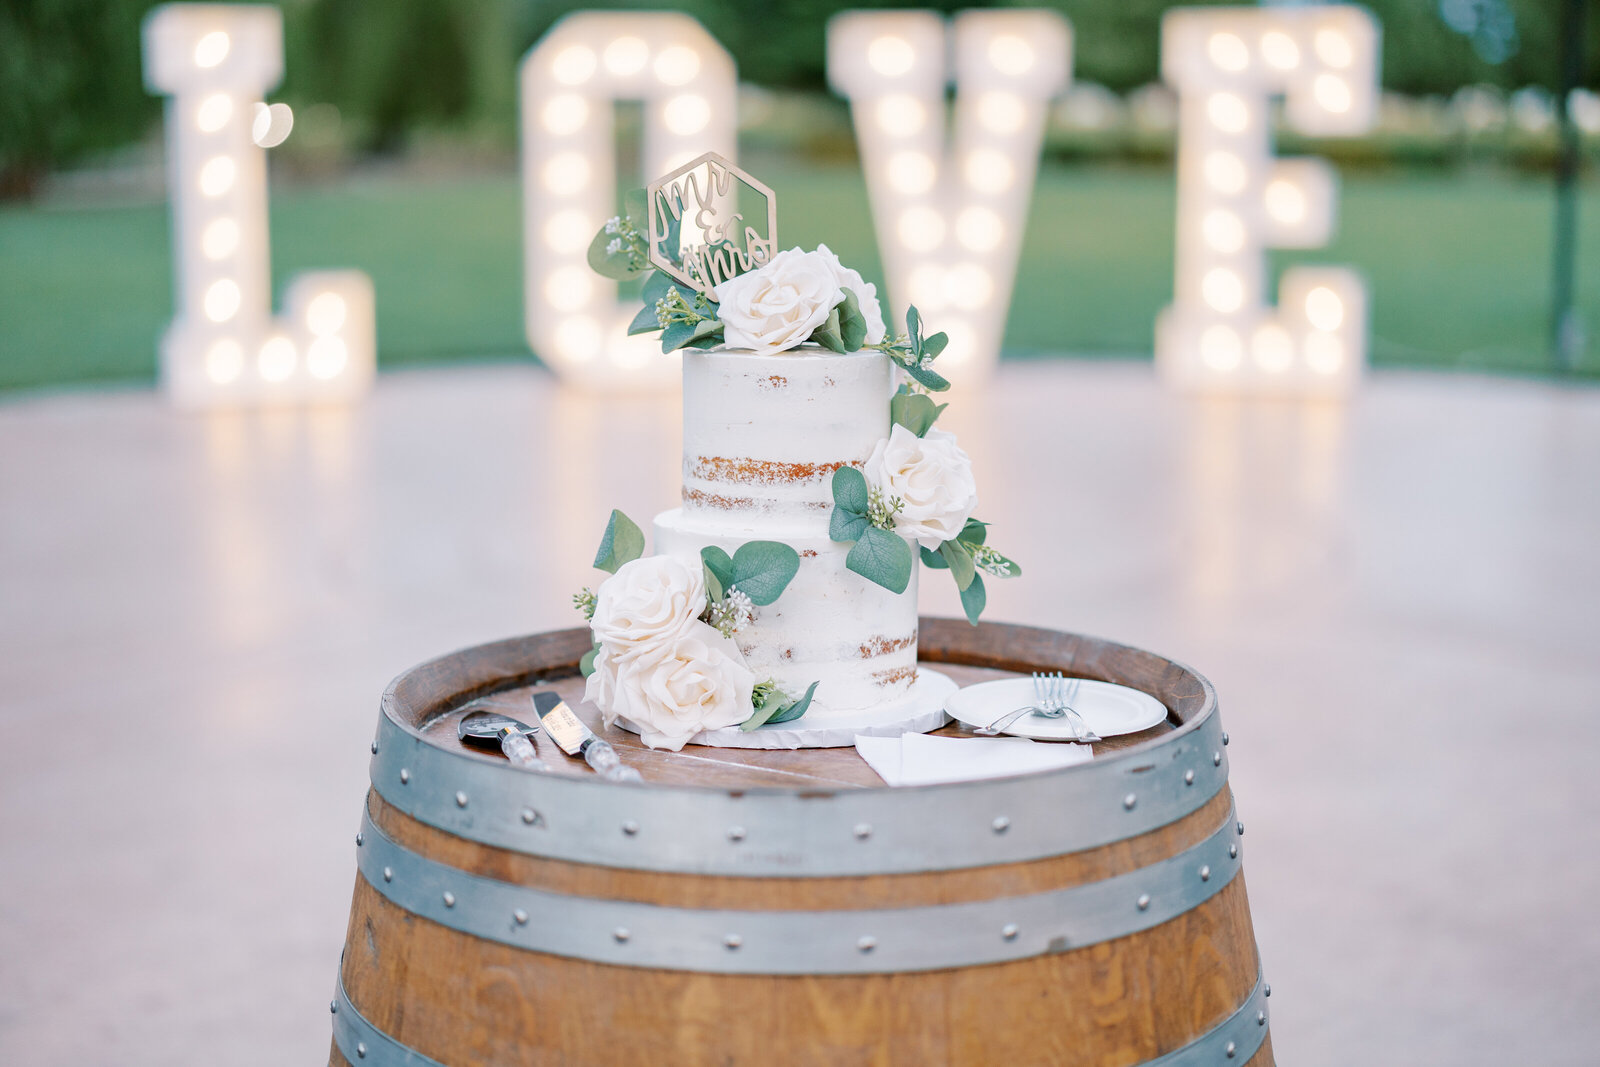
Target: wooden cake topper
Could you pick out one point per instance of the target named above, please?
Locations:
(697, 234)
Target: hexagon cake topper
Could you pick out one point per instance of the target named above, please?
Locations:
(697, 234)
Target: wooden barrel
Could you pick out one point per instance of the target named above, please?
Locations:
(749, 906)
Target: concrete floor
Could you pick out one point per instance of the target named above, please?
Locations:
(1395, 598)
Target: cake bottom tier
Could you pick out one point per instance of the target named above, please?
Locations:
(857, 640)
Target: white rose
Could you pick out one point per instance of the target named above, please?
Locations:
(776, 307)
(866, 294)
(649, 603)
(932, 475)
(697, 682)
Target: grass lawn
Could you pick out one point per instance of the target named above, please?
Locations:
(1458, 265)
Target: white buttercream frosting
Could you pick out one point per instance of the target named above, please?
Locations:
(762, 436)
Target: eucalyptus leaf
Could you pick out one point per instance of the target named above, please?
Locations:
(883, 558)
(645, 321)
(913, 325)
(623, 542)
(763, 569)
(718, 563)
(928, 379)
(794, 708)
(618, 266)
(636, 205)
(586, 664)
(676, 336)
(1015, 568)
(973, 598)
(932, 559)
(973, 532)
(850, 490)
(704, 343)
(915, 411)
(658, 285)
(714, 591)
(934, 345)
(845, 525)
(852, 323)
(827, 335)
(707, 327)
(960, 559)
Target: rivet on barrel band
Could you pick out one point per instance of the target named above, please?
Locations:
(1205, 874)
(863, 831)
(1224, 737)
(1216, 759)
(1232, 1050)
(733, 941)
(1143, 901)
(1233, 852)
(461, 799)
(388, 874)
(361, 1050)
(630, 827)
(405, 776)
(1009, 931)
(1188, 778)
(449, 899)
(531, 817)
(374, 748)
(520, 916)
(621, 934)
(333, 1007)
(1000, 825)
(1130, 800)
(736, 834)
(866, 944)
(359, 839)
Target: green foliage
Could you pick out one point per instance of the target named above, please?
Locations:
(623, 542)
(959, 559)
(850, 490)
(763, 569)
(915, 411)
(883, 557)
(973, 599)
(772, 706)
(586, 664)
(720, 564)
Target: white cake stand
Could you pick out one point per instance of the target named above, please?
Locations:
(916, 711)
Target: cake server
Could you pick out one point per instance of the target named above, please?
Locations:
(490, 729)
(576, 739)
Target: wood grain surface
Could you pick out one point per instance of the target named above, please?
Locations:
(464, 1001)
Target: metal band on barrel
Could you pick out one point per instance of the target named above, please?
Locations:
(626, 933)
(361, 1042)
(776, 832)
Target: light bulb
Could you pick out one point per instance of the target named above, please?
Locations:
(564, 114)
(220, 238)
(676, 65)
(1228, 112)
(211, 49)
(979, 229)
(568, 231)
(627, 55)
(573, 65)
(921, 229)
(1223, 231)
(1228, 51)
(1222, 290)
(217, 175)
(911, 173)
(222, 300)
(1279, 50)
(890, 56)
(326, 313)
(214, 112)
(1225, 173)
(1285, 202)
(1324, 309)
(901, 115)
(686, 114)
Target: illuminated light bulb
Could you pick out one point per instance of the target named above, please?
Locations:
(277, 359)
(214, 112)
(1228, 112)
(1324, 353)
(686, 114)
(921, 229)
(577, 339)
(211, 49)
(676, 65)
(565, 114)
(1223, 230)
(1332, 92)
(1333, 48)
(1228, 51)
(1324, 309)
(925, 287)
(220, 239)
(222, 300)
(217, 175)
(271, 125)
(1225, 172)
(911, 173)
(326, 357)
(326, 314)
(1285, 201)
(1222, 289)
(1221, 349)
(224, 361)
(627, 55)
(968, 286)
(989, 171)
(900, 115)
(568, 231)
(1272, 348)
(566, 173)
(573, 65)
(1011, 54)
(979, 229)
(569, 288)
(1279, 50)
(891, 56)
(1001, 112)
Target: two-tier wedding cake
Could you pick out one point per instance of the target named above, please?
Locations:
(779, 608)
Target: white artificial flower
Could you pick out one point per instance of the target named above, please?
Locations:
(649, 603)
(775, 307)
(932, 476)
(866, 294)
(672, 691)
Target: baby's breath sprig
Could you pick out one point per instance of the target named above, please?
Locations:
(914, 353)
(584, 601)
(626, 238)
(989, 561)
(673, 308)
(881, 508)
(732, 613)
(763, 692)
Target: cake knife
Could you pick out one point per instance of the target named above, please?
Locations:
(575, 738)
(491, 729)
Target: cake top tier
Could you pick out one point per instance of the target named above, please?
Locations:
(762, 435)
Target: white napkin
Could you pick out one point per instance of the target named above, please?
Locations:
(916, 759)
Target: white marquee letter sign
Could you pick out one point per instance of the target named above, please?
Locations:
(215, 61)
(1235, 199)
(950, 225)
(570, 81)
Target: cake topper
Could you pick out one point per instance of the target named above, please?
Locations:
(697, 234)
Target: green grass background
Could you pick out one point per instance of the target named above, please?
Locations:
(1458, 264)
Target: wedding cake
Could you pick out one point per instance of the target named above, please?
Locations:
(779, 608)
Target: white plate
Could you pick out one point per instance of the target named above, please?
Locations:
(1108, 709)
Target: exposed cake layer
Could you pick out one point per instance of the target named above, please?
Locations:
(762, 435)
(830, 625)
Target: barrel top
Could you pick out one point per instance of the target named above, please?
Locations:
(428, 700)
